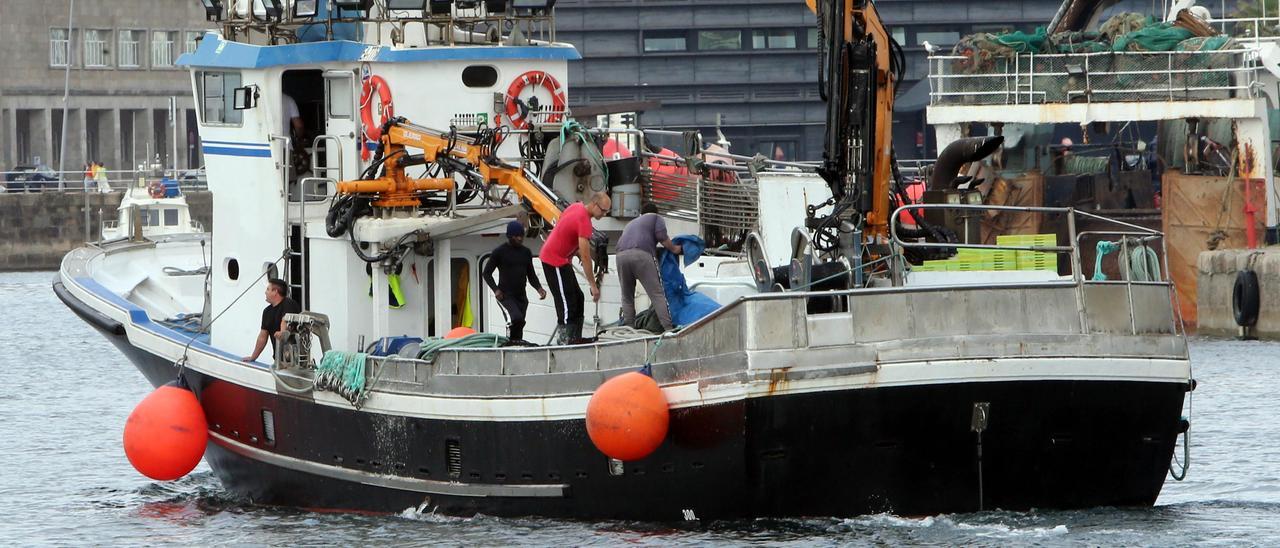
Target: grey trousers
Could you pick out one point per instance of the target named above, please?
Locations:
(633, 265)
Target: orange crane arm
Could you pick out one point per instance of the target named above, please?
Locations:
(398, 190)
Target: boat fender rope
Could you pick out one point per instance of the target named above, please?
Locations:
(1185, 463)
(1103, 249)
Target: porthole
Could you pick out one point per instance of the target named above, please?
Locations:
(232, 268)
(479, 76)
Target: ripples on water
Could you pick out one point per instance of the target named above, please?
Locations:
(65, 393)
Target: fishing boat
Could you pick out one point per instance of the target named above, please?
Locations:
(837, 377)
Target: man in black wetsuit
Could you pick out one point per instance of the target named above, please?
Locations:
(514, 263)
(278, 304)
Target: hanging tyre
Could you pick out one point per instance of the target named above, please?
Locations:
(1245, 299)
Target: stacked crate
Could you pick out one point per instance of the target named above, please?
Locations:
(1032, 260)
(968, 260)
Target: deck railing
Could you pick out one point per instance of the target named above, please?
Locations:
(1125, 76)
(1095, 307)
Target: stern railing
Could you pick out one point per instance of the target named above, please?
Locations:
(1128, 234)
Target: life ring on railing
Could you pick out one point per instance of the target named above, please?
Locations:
(518, 112)
(155, 189)
(1245, 299)
(372, 129)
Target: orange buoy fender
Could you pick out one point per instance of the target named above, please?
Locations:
(627, 417)
(165, 436)
(459, 332)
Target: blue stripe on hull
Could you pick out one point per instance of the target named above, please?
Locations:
(228, 151)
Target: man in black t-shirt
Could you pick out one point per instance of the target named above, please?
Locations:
(514, 263)
(278, 304)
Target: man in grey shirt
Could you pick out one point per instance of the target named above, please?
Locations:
(636, 258)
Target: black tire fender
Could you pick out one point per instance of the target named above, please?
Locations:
(1245, 298)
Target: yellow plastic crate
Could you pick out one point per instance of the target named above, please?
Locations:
(1027, 240)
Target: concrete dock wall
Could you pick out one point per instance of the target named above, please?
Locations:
(37, 229)
(1216, 273)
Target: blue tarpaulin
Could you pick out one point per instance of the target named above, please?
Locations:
(687, 306)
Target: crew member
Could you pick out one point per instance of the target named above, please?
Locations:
(292, 118)
(514, 263)
(278, 304)
(572, 233)
(637, 261)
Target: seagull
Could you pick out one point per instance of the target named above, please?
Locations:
(932, 49)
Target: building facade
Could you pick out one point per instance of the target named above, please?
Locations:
(122, 77)
(753, 63)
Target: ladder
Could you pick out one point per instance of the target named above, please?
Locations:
(295, 219)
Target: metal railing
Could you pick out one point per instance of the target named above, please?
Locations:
(729, 198)
(1250, 29)
(1122, 76)
(1132, 233)
(76, 182)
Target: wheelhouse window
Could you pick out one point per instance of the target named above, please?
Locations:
(59, 47)
(170, 216)
(162, 43)
(216, 90)
(660, 41)
(130, 48)
(97, 52)
(711, 40)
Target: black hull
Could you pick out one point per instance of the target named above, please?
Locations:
(906, 450)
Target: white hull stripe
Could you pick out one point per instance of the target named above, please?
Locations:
(161, 341)
(389, 481)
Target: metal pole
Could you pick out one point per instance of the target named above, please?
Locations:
(173, 133)
(66, 91)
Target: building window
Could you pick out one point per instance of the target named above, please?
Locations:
(162, 48)
(719, 39)
(96, 48)
(665, 41)
(811, 39)
(217, 90)
(59, 47)
(130, 48)
(937, 38)
(899, 35)
(773, 39)
(191, 42)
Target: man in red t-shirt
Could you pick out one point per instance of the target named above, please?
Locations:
(572, 234)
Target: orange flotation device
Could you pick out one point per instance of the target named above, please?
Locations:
(517, 116)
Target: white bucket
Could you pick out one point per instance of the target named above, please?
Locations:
(626, 201)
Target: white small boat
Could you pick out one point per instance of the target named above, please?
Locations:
(151, 209)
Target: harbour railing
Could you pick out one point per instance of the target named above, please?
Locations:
(76, 182)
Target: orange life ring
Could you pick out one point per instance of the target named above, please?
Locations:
(156, 189)
(373, 131)
(535, 78)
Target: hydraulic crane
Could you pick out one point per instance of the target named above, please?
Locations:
(859, 68)
(475, 159)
